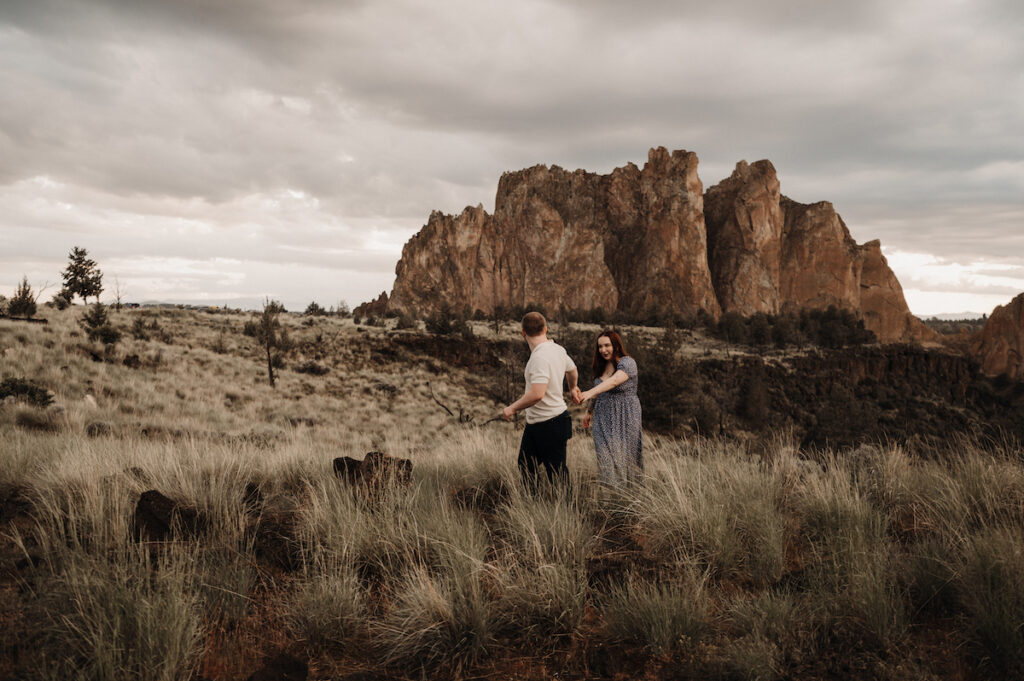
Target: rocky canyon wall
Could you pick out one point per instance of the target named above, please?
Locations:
(650, 238)
(999, 346)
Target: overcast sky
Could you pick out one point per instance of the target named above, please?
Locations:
(217, 150)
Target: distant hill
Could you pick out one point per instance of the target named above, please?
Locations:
(954, 316)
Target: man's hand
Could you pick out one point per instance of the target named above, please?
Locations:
(587, 418)
(507, 413)
(576, 393)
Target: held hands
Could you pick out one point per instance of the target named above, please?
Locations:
(580, 396)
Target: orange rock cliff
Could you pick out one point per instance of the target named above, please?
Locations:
(651, 238)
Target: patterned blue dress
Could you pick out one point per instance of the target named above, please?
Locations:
(616, 427)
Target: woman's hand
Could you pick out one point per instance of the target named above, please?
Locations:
(584, 396)
(587, 418)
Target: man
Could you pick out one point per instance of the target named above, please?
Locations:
(548, 424)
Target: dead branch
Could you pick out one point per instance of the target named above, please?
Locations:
(439, 402)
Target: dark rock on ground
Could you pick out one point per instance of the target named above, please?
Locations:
(348, 468)
(274, 543)
(374, 471)
(283, 667)
(156, 516)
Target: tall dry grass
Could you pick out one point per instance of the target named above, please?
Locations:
(728, 560)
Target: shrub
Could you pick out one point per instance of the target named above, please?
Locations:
(97, 325)
(662, 617)
(26, 390)
(31, 418)
(724, 514)
(438, 620)
(992, 593)
(62, 299)
(23, 303)
(329, 609)
(404, 320)
(448, 322)
(311, 367)
(545, 603)
(126, 619)
(314, 309)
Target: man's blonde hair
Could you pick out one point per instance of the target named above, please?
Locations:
(534, 324)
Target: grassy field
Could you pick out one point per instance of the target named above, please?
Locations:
(731, 560)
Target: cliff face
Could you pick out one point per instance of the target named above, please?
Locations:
(626, 241)
(768, 253)
(651, 238)
(999, 346)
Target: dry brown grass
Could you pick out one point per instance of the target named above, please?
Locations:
(723, 563)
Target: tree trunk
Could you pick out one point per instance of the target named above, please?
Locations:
(270, 367)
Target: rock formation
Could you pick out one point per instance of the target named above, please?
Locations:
(638, 240)
(768, 253)
(627, 241)
(999, 345)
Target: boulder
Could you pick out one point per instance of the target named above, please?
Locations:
(156, 516)
(376, 470)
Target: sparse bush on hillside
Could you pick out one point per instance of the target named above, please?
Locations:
(829, 328)
(61, 299)
(96, 324)
(449, 322)
(25, 390)
(23, 303)
(311, 367)
(403, 320)
(314, 309)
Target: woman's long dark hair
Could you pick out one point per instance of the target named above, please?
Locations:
(618, 352)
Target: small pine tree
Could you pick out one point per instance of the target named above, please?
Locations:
(314, 309)
(23, 304)
(82, 277)
(97, 325)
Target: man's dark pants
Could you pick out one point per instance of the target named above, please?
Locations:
(543, 446)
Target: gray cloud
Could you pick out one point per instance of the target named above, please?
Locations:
(906, 117)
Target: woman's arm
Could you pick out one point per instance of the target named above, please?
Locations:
(616, 379)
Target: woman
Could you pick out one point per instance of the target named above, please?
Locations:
(614, 411)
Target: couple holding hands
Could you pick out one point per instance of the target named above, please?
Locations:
(613, 409)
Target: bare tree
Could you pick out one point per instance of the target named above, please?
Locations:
(119, 292)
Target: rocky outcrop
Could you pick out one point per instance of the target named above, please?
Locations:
(744, 222)
(639, 240)
(631, 241)
(999, 346)
(768, 253)
(373, 308)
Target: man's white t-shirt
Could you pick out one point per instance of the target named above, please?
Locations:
(548, 364)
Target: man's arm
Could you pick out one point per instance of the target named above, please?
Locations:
(534, 394)
(572, 376)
